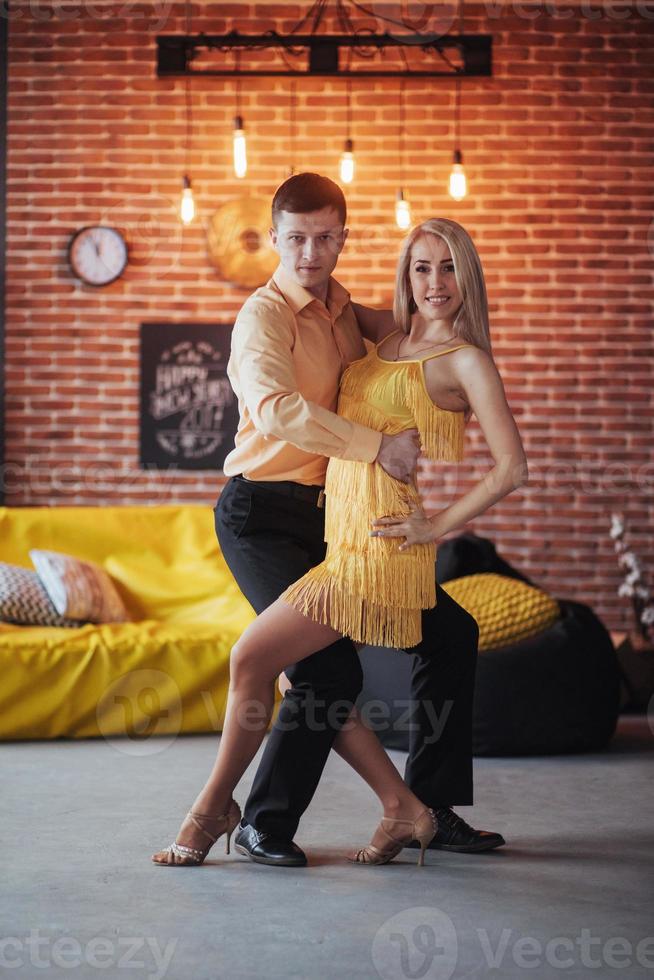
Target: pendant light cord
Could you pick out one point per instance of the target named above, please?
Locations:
(348, 133)
(402, 133)
(293, 127)
(187, 96)
(457, 90)
(237, 54)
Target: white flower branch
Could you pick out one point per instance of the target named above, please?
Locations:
(634, 586)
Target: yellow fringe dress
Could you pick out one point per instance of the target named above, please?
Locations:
(366, 588)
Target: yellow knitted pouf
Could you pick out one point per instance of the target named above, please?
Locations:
(506, 609)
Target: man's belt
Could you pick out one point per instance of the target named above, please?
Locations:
(298, 491)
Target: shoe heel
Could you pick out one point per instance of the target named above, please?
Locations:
(425, 834)
(228, 839)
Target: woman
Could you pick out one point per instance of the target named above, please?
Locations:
(371, 585)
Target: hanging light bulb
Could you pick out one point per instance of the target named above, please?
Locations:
(186, 201)
(402, 211)
(458, 182)
(240, 152)
(187, 204)
(346, 168)
(347, 162)
(458, 186)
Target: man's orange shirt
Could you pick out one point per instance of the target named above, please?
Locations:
(288, 353)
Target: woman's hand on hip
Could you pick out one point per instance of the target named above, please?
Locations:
(415, 527)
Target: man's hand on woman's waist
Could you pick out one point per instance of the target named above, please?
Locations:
(398, 455)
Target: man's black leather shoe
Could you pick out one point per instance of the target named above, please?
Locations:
(267, 849)
(454, 834)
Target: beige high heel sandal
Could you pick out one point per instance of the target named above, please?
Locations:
(181, 855)
(423, 830)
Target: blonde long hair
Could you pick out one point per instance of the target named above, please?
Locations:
(471, 322)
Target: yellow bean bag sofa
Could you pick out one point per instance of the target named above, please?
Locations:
(164, 673)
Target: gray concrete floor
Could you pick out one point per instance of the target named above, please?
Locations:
(569, 896)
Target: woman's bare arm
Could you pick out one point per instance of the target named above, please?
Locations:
(478, 377)
(374, 324)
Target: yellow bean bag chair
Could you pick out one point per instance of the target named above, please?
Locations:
(506, 609)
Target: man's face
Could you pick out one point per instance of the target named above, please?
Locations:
(309, 245)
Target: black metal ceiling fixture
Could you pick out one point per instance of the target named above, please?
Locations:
(321, 54)
(406, 52)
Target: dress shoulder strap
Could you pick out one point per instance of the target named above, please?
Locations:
(377, 346)
(429, 357)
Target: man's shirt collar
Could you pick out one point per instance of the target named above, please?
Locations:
(298, 297)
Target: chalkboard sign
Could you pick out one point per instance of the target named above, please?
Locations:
(189, 413)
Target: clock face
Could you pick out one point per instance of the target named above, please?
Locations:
(97, 254)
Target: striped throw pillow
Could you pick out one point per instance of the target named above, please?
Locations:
(24, 601)
(79, 589)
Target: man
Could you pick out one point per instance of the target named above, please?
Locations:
(291, 342)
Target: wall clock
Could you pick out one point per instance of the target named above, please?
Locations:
(97, 254)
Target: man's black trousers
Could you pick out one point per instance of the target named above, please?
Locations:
(269, 541)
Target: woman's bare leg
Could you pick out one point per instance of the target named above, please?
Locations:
(362, 750)
(280, 636)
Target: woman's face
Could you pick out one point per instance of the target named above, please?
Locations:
(433, 283)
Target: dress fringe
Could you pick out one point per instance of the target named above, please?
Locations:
(366, 588)
(324, 599)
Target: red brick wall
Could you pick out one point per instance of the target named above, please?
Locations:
(557, 146)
